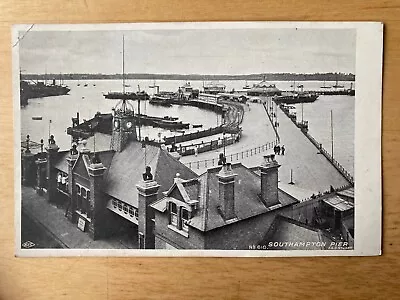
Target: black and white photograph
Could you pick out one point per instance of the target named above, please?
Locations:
(147, 139)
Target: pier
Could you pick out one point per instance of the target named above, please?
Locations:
(303, 165)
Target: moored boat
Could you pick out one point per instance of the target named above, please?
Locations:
(293, 98)
(160, 100)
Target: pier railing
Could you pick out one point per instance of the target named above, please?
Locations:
(234, 157)
(321, 149)
(329, 157)
(272, 124)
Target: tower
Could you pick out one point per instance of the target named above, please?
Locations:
(123, 127)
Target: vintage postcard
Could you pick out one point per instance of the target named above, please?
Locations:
(198, 139)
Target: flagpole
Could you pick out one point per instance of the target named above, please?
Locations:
(49, 127)
(332, 132)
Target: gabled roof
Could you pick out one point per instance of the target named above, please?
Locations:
(206, 190)
(62, 164)
(127, 167)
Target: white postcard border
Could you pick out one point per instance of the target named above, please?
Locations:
(367, 165)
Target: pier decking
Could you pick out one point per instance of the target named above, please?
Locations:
(311, 171)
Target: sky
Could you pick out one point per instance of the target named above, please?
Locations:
(202, 51)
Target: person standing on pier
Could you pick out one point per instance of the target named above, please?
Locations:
(283, 149)
(278, 150)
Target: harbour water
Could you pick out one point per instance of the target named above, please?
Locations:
(56, 112)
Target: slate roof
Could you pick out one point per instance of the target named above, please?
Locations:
(127, 167)
(103, 142)
(62, 165)
(287, 232)
(61, 161)
(349, 193)
(339, 203)
(247, 198)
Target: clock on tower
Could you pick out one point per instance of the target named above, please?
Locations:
(123, 129)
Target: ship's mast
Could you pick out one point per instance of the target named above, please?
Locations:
(332, 133)
(123, 64)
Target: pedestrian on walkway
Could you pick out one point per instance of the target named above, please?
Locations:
(275, 150)
(278, 150)
(283, 149)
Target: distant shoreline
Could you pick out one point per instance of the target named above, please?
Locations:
(251, 77)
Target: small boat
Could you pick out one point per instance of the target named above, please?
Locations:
(37, 118)
(127, 85)
(293, 98)
(94, 84)
(337, 85)
(197, 125)
(159, 100)
(325, 86)
(171, 124)
(170, 118)
(246, 86)
(85, 85)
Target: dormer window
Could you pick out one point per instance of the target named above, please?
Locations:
(179, 217)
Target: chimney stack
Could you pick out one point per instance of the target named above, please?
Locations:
(269, 180)
(52, 152)
(226, 180)
(148, 193)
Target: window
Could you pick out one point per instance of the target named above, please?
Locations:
(136, 213)
(84, 200)
(114, 203)
(174, 214)
(78, 197)
(185, 219)
(131, 213)
(62, 181)
(119, 205)
(125, 208)
(178, 219)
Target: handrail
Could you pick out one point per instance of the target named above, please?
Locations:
(272, 124)
(231, 157)
(323, 151)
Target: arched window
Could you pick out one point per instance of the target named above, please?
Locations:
(84, 200)
(78, 197)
